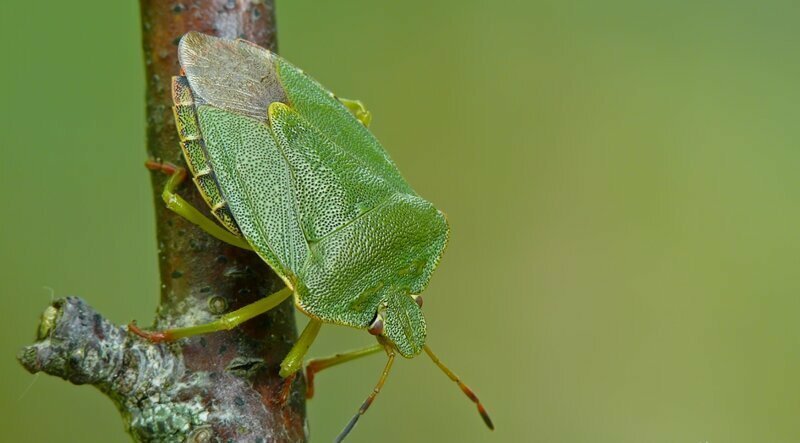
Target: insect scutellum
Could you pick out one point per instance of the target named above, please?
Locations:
(292, 172)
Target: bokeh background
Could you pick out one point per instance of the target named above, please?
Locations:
(621, 179)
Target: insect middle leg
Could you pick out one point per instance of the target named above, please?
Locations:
(225, 322)
(181, 207)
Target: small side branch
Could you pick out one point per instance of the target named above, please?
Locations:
(160, 399)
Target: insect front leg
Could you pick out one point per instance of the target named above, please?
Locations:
(316, 365)
(358, 109)
(181, 207)
(293, 361)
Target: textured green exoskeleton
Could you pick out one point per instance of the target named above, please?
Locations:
(292, 172)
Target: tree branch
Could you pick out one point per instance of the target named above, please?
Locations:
(220, 387)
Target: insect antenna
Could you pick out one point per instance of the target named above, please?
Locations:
(368, 401)
(464, 388)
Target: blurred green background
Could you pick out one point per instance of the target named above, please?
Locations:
(621, 179)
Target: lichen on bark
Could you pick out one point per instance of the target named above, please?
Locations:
(219, 387)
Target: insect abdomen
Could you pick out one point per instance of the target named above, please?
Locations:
(194, 151)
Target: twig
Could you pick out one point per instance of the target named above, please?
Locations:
(219, 387)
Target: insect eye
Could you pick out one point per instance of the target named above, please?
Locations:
(376, 328)
(418, 299)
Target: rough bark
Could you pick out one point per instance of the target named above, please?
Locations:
(219, 387)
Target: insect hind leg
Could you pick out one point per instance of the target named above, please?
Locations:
(358, 109)
(178, 205)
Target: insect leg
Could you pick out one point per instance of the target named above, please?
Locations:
(358, 109)
(225, 322)
(464, 388)
(316, 365)
(181, 207)
(294, 359)
(371, 398)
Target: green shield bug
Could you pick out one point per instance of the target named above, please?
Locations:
(291, 171)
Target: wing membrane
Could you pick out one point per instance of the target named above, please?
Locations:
(231, 74)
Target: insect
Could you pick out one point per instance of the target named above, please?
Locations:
(291, 171)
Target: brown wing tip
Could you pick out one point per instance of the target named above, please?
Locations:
(194, 44)
(194, 38)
